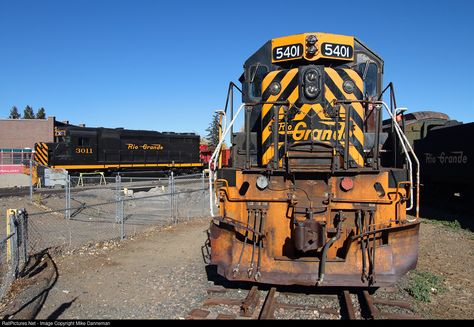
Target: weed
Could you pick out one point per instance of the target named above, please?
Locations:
(422, 284)
(37, 198)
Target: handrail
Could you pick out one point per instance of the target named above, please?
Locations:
(405, 143)
(230, 98)
(215, 155)
(407, 148)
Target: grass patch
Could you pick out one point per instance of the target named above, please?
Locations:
(38, 198)
(423, 284)
(454, 225)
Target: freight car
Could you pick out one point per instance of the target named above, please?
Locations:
(307, 200)
(446, 154)
(206, 153)
(85, 149)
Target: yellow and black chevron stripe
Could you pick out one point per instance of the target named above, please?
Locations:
(306, 121)
(41, 153)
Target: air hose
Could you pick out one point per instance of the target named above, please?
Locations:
(322, 263)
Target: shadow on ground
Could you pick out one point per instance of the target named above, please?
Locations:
(29, 292)
(447, 209)
(212, 275)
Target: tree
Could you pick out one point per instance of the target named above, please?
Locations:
(213, 131)
(41, 114)
(28, 113)
(14, 113)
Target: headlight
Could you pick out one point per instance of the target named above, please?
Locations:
(311, 39)
(262, 182)
(311, 83)
(311, 91)
(275, 88)
(311, 50)
(311, 76)
(348, 86)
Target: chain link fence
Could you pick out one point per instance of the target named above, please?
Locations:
(87, 212)
(14, 248)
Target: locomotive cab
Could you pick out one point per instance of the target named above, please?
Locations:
(307, 200)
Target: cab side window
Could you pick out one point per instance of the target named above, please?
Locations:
(83, 141)
(257, 73)
(368, 71)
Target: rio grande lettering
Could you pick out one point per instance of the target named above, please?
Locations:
(157, 146)
(455, 157)
(301, 132)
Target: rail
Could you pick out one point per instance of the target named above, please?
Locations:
(215, 155)
(279, 303)
(406, 144)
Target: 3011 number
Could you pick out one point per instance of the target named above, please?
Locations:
(84, 150)
(337, 50)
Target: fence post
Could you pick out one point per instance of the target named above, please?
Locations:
(118, 198)
(23, 215)
(203, 187)
(31, 179)
(66, 204)
(14, 243)
(9, 219)
(122, 220)
(68, 196)
(170, 191)
(175, 199)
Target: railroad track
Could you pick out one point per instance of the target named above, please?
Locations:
(23, 191)
(273, 304)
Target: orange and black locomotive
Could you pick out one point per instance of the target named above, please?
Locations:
(317, 193)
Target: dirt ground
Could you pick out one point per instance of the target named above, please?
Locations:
(161, 275)
(448, 252)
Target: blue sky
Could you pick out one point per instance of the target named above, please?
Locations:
(165, 65)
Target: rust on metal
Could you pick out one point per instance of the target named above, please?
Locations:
(248, 306)
(198, 314)
(223, 316)
(348, 305)
(286, 249)
(216, 289)
(374, 313)
(394, 303)
(269, 307)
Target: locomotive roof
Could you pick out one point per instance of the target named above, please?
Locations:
(80, 128)
(426, 115)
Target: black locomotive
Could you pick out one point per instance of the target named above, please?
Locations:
(82, 149)
(445, 150)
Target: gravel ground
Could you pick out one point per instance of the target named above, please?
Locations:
(158, 271)
(160, 274)
(145, 278)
